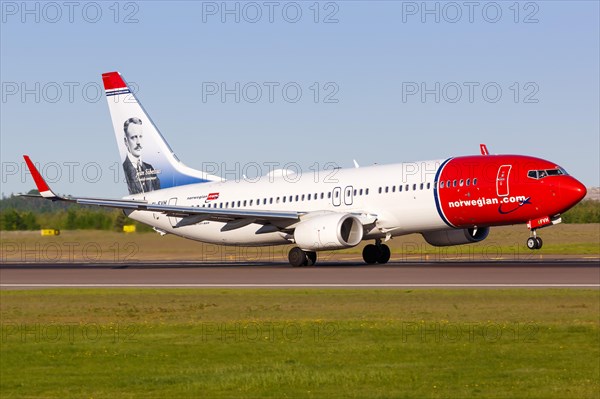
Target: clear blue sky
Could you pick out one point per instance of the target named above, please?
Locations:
(543, 56)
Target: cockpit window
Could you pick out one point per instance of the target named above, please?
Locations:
(540, 174)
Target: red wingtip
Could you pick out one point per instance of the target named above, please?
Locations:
(113, 80)
(37, 177)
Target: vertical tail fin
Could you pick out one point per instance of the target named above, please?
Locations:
(148, 161)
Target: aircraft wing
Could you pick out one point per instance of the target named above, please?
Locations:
(189, 214)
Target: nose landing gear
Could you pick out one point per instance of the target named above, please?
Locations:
(376, 253)
(534, 242)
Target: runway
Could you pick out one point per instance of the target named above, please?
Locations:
(566, 274)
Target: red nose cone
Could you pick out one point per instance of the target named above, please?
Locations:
(571, 192)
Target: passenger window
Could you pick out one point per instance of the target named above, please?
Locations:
(400, 188)
(461, 182)
(428, 186)
(264, 201)
(386, 189)
(277, 200)
(271, 200)
(251, 202)
(454, 183)
(322, 195)
(355, 192)
(414, 187)
(337, 194)
(468, 182)
(329, 194)
(309, 197)
(380, 190)
(393, 189)
(475, 181)
(302, 197)
(421, 187)
(360, 191)
(407, 187)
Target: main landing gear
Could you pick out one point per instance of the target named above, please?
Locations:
(298, 257)
(376, 253)
(534, 242)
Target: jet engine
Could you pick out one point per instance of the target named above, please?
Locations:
(329, 231)
(442, 238)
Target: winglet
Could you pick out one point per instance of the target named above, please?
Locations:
(484, 150)
(41, 184)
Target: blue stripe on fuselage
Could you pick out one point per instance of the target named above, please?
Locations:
(435, 193)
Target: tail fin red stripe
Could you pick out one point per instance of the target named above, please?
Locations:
(113, 80)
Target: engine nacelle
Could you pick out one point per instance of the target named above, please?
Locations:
(443, 238)
(329, 231)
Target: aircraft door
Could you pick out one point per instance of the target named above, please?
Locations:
(502, 189)
(336, 196)
(348, 195)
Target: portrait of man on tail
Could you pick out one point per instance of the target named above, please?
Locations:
(140, 176)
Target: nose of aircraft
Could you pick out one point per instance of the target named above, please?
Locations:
(571, 192)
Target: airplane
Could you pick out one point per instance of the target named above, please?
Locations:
(449, 201)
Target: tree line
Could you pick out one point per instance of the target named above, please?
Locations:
(18, 213)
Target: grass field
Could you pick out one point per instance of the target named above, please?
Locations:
(103, 246)
(226, 343)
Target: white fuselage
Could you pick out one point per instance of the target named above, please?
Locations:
(354, 190)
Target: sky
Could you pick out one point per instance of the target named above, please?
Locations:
(312, 83)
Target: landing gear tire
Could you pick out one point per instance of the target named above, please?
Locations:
(297, 257)
(534, 243)
(378, 253)
(384, 254)
(311, 258)
(370, 254)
